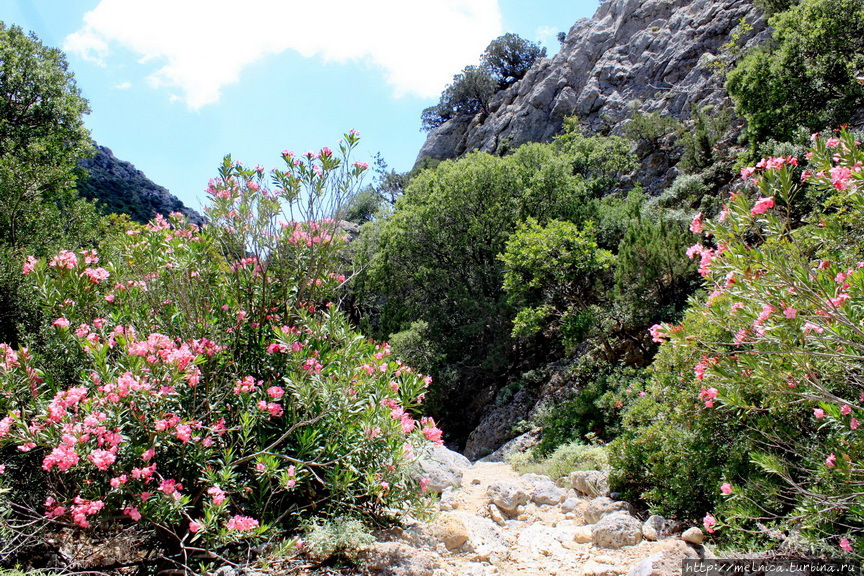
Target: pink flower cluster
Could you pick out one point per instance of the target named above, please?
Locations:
(241, 523)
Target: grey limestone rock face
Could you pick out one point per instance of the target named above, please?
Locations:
(654, 51)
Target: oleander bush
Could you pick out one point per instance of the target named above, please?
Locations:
(201, 383)
(752, 417)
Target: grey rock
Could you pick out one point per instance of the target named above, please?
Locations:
(617, 530)
(600, 507)
(667, 562)
(590, 482)
(508, 496)
(397, 559)
(106, 174)
(443, 468)
(570, 504)
(653, 528)
(654, 51)
(449, 500)
(517, 445)
(496, 427)
(542, 490)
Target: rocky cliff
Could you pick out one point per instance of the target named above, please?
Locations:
(120, 188)
(656, 51)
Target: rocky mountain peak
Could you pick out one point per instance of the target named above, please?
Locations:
(655, 51)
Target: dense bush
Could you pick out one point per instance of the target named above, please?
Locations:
(807, 74)
(435, 259)
(755, 404)
(207, 389)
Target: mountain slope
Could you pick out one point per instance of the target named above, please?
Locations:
(120, 188)
(656, 51)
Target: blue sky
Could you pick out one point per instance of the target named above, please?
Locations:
(174, 85)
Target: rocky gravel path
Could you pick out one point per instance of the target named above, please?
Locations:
(496, 522)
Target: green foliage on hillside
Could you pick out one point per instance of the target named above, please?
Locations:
(807, 75)
(753, 411)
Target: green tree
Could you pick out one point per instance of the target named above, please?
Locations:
(42, 134)
(504, 62)
(553, 274)
(807, 74)
(434, 262)
(509, 57)
(467, 95)
(42, 137)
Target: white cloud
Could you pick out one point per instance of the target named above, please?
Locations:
(203, 45)
(123, 86)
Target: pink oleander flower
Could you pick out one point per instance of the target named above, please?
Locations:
(275, 409)
(96, 275)
(656, 334)
(195, 526)
(726, 488)
(61, 323)
(762, 205)
(790, 312)
(169, 486)
(853, 424)
(746, 173)
(275, 392)
(809, 326)
(424, 484)
(831, 460)
(840, 177)
(845, 410)
(133, 513)
(29, 265)
(218, 495)
(845, 545)
(819, 413)
(148, 454)
(696, 224)
(242, 523)
(102, 459)
(708, 521)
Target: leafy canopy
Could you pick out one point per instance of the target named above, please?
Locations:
(807, 75)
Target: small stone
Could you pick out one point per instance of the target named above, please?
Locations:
(495, 514)
(450, 530)
(449, 500)
(652, 529)
(476, 481)
(693, 536)
(507, 495)
(590, 482)
(600, 507)
(582, 534)
(569, 505)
